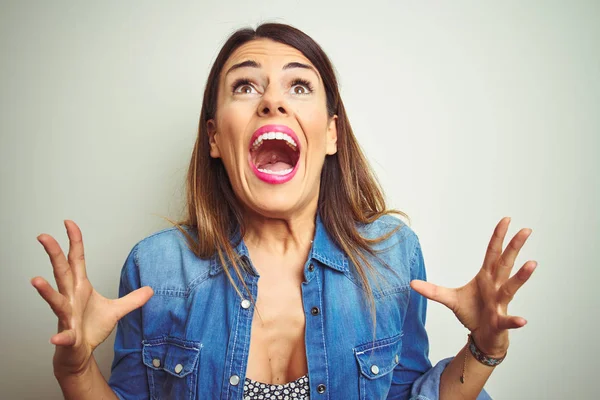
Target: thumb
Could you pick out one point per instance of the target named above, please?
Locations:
(436, 293)
(133, 300)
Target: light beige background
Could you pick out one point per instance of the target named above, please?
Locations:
(469, 111)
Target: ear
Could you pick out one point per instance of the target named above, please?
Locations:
(212, 131)
(332, 136)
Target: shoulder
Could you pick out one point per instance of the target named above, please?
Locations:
(394, 246)
(167, 239)
(399, 234)
(164, 261)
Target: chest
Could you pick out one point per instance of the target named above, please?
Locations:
(277, 351)
(316, 318)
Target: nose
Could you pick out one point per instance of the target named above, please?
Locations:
(271, 105)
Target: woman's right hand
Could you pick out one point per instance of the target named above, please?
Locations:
(85, 318)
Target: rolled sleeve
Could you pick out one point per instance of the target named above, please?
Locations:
(128, 377)
(427, 386)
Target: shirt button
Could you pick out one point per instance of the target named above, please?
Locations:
(245, 303)
(314, 311)
(156, 362)
(178, 368)
(311, 268)
(397, 359)
(234, 380)
(321, 388)
(374, 369)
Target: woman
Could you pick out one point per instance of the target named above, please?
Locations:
(289, 277)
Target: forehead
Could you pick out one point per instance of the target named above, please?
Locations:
(265, 52)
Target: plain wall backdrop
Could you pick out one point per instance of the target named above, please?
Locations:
(468, 112)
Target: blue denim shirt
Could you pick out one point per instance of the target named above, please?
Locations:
(191, 340)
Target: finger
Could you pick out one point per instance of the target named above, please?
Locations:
(511, 322)
(436, 293)
(64, 338)
(76, 253)
(494, 248)
(57, 302)
(60, 266)
(511, 286)
(133, 300)
(506, 261)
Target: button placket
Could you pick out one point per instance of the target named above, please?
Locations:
(239, 341)
(316, 349)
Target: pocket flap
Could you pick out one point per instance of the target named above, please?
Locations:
(177, 357)
(378, 358)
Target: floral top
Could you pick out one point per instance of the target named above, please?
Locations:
(295, 390)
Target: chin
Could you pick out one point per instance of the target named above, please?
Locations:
(275, 205)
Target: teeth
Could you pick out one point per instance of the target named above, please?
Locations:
(282, 172)
(274, 136)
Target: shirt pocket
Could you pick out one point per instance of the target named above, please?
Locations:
(172, 367)
(376, 361)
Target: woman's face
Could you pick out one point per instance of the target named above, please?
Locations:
(271, 128)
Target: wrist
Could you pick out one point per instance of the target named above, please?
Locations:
(496, 348)
(490, 360)
(73, 374)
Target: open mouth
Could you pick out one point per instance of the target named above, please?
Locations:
(274, 154)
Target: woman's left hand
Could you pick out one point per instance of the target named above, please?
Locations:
(482, 304)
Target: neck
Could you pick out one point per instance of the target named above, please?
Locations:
(280, 236)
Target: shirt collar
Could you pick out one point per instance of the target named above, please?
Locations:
(323, 249)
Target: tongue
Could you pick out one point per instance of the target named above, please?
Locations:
(273, 161)
(276, 166)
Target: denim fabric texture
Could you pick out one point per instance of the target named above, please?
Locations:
(191, 340)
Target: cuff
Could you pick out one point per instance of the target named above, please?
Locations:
(427, 386)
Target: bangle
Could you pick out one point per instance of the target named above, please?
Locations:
(483, 358)
(479, 356)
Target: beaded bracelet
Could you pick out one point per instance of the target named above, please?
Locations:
(479, 356)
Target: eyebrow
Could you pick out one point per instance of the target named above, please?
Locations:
(254, 64)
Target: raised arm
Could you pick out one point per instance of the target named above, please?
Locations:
(482, 307)
(85, 318)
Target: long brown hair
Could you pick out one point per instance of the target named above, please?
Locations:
(349, 191)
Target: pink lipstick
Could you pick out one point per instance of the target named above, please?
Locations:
(276, 150)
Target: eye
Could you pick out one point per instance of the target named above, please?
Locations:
(243, 86)
(301, 87)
